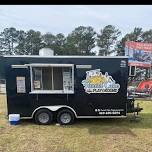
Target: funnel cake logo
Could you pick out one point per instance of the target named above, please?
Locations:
(96, 82)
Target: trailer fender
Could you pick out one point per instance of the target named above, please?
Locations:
(54, 108)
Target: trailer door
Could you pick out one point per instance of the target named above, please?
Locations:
(81, 96)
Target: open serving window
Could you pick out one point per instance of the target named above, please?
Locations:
(52, 78)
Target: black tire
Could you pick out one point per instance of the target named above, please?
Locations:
(65, 112)
(43, 117)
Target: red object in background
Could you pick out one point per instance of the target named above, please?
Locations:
(139, 64)
(139, 46)
(145, 85)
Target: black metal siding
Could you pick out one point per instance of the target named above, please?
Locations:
(83, 103)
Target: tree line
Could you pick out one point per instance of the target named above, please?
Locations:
(80, 41)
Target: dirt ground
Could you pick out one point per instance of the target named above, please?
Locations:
(86, 135)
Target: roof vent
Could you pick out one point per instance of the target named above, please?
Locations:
(46, 52)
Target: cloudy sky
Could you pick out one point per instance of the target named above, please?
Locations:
(64, 18)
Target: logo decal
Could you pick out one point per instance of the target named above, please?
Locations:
(96, 82)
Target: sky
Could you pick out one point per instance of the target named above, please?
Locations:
(64, 18)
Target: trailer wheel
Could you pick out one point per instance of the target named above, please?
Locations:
(65, 117)
(43, 117)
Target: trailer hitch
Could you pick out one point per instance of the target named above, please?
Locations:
(137, 109)
(131, 106)
(132, 109)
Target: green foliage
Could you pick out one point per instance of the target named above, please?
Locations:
(21, 40)
(59, 44)
(136, 36)
(81, 41)
(147, 36)
(55, 42)
(33, 42)
(48, 40)
(106, 39)
(8, 39)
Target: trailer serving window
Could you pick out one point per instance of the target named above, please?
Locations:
(52, 78)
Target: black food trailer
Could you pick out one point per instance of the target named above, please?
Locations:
(62, 88)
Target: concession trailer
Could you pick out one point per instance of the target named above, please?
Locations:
(62, 88)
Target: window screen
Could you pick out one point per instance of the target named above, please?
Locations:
(52, 78)
(37, 77)
(57, 78)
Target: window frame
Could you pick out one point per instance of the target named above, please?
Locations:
(130, 68)
(33, 91)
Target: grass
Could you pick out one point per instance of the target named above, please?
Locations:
(86, 135)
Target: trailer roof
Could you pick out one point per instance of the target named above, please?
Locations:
(37, 56)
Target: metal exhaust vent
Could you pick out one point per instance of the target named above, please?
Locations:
(46, 52)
